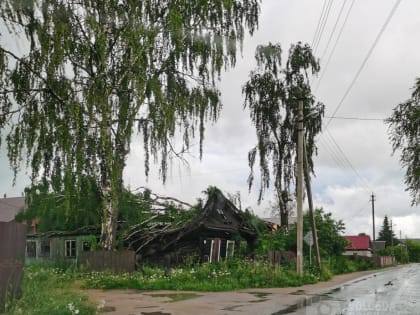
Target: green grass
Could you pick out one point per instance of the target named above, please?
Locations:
(57, 290)
(225, 276)
(50, 291)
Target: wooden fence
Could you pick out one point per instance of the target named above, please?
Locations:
(382, 261)
(12, 257)
(117, 262)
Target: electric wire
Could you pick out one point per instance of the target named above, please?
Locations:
(319, 23)
(365, 60)
(323, 24)
(334, 156)
(341, 152)
(355, 118)
(333, 150)
(333, 30)
(355, 215)
(335, 46)
(363, 180)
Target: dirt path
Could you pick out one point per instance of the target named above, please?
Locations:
(250, 301)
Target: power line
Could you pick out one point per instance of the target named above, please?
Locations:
(341, 152)
(333, 30)
(323, 24)
(357, 213)
(335, 45)
(319, 23)
(332, 154)
(355, 118)
(364, 182)
(388, 19)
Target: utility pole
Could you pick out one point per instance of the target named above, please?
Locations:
(392, 240)
(401, 249)
(311, 205)
(299, 192)
(372, 199)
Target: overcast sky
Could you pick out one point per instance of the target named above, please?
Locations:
(354, 157)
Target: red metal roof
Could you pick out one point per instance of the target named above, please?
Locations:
(359, 242)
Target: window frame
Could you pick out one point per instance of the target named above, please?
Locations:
(232, 243)
(70, 248)
(33, 252)
(43, 253)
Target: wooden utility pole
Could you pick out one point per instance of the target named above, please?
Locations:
(401, 250)
(299, 192)
(392, 240)
(372, 199)
(311, 205)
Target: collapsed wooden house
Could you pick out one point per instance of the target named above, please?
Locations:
(212, 235)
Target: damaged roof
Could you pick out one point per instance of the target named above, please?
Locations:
(218, 215)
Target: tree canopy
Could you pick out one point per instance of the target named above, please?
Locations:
(387, 234)
(96, 72)
(404, 133)
(272, 94)
(331, 241)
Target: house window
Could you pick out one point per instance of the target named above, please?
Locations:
(70, 248)
(31, 249)
(230, 249)
(45, 248)
(215, 250)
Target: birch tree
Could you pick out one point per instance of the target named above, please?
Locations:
(404, 134)
(96, 72)
(272, 94)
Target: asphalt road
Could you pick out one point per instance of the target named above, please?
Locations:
(395, 292)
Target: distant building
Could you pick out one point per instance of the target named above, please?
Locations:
(380, 245)
(10, 207)
(274, 222)
(359, 245)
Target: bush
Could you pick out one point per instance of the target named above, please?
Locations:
(346, 264)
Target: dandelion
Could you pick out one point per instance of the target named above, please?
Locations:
(73, 309)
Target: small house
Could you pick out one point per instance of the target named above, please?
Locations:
(358, 245)
(61, 246)
(212, 235)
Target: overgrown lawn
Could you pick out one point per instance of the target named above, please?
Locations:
(50, 291)
(229, 275)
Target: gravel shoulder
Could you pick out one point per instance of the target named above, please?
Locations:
(248, 301)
